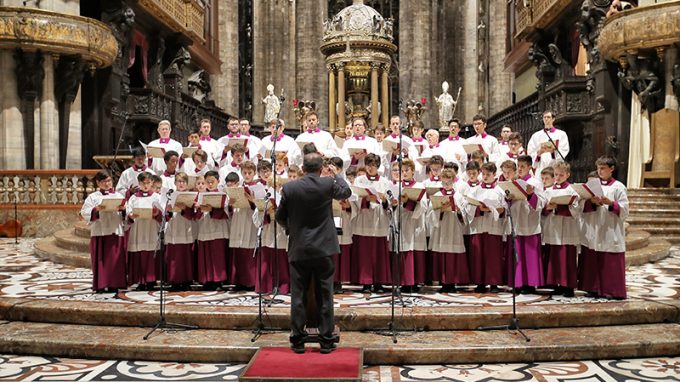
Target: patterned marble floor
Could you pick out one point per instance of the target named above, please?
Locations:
(24, 275)
(25, 368)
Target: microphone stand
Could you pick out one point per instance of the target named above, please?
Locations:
(259, 326)
(551, 140)
(162, 324)
(275, 284)
(120, 140)
(514, 321)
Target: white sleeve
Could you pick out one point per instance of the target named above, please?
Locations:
(86, 210)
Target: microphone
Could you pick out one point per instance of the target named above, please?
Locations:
(170, 191)
(507, 193)
(389, 193)
(268, 195)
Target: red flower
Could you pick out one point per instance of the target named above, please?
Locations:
(423, 101)
(295, 102)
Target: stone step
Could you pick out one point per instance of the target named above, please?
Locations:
(650, 190)
(664, 232)
(67, 239)
(641, 204)
(655, 251)
(47, 249)
(82, 229)
(576, 314)
(655, 212)
(433, 347)
(636, 240)
(643, 221)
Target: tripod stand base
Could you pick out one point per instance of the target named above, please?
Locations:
(164, 325)
(514, 325)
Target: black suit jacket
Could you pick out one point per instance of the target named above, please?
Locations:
(306, 211)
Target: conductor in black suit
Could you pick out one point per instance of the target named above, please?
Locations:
(306, 212)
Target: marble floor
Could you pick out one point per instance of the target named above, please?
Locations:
(26, 368)
(24, 275)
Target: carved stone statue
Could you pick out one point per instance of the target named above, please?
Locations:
(641, 78)
(272, 105)
(445, 102)
(182, 57)
(546, 68)
(199, 85)
(413, 111)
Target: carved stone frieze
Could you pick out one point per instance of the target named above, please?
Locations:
(546, 67)
(61, 34)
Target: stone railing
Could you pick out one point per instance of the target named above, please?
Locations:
(46, 187)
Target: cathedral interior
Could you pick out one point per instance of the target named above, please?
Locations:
(85, 81)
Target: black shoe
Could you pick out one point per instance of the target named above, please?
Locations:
(568, 292)
(592, 295)
(366, 289)
(326, 348)
(377, 288)
(337, 288)
(298, 348)
(407, 289)
(446, 288)
(528, 290)
(480, 289)
(494, 289)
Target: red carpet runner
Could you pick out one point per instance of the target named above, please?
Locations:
(280, 363)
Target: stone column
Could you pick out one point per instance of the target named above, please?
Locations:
(227, 81)
(385, 100)
(500, 81)
(469, 106)
(309, 64)
(12, 154)
(341, 96)
(374, 94)
(49, 120)
(332, 122)
(415, 57)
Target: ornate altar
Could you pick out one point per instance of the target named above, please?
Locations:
(358, 47)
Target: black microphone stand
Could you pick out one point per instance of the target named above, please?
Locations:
(162, 324)
(514, 321)
(120, 140)
(275, 287)
(259, 326)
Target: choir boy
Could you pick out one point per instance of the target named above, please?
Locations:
(408, 148)
(323, 140)
(351, 174)
(208, 143)
(127, 183)
(452, 146)
(254, 144)
(526, 216)
(281, 166)
(413, 231)
(179, 239)
(369, 255)
(417, 130)
(187, 164)
(450, 262)
(379, 133)
(107, 253)
(171, 159)
(548, 180)
(237, 155)
(284, 143)
(561, 233)
(360, 141)
(294, 172)
(504, 142)
(487, 227)
(264, 172)
(588, 279)
(477, 157)
(234, 133)
(435, 166)
(198, 164)
(543, 144)
(514, 149)
(489, 143)
(157, 182)
(165, 142)
(243, 234)
(213, 256)
(607, 275)
(143, 233)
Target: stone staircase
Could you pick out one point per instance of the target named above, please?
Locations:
(657, 211)
(69, 246)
